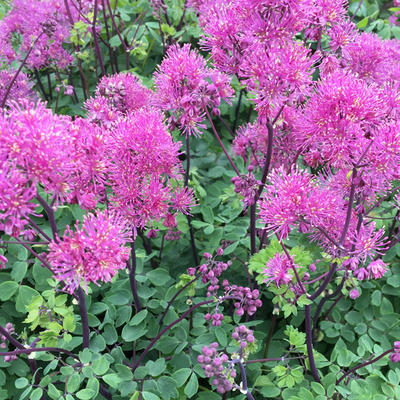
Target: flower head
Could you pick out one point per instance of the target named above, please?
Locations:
(91, 253)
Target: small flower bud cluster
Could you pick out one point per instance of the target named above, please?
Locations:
(216, 318)
(395, 356)
(353, 294)
(247, 186)
(212, 270)
(212, 363)
(173, 235)
(249, 301)
(243, 336)
(10, 329)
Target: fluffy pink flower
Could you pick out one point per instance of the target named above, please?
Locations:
(20, 90)
(354, 294)
(377, 269)
(296, 200)
(124, 92)
(183, 88)
(16, 193)
(277, 270)
(92, 253)
(37, 142)
(144, 158)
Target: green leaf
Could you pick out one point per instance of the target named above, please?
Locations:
(20, 383)
(18, 271)
(376, 298)
(156, 368)
(132, 333)
(36, 394)
(138, 318)
(363, 23)
(112, 380)
(149, 396)
(101, 365)
(7, 290)
(318, 388)
(221, 336)
(120, 298)
(192, 386)
(207, 214)
(85, 356)
(158, 277)
(74, 381)
(86, 394)
(181, 376)
(24, 297)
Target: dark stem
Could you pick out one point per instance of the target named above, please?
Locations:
(40, 84)
(188, 217)
(84, 318)
(176, 295)
(244, 379)
(364, 364)
(268, 157)
(253, 229)
(18, 345)
(33, 223)
(270, 334)
(219, 140)
(357, 9)
(119, 35)
(49, 84)
(235, 122)
(309, 338)
(50, 215)
(96, 42)
(110, 50)
(132, 277)
(3, 102)
(167, 328)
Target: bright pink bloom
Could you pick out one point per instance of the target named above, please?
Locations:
(124, 92)
(277, 270)
(183, 88)
(354, 294)
(377, 269)
(16, 193)
(20, 90)
(94, 252)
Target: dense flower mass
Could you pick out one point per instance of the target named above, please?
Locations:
(91, 253)
(21, 89)
(185, 85)
(144, 160)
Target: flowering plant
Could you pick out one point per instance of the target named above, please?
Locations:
(199, 199)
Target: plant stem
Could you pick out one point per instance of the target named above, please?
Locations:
(237, 110)
(188, 217)
(119, 35)
(18, 345)
(253, 233)
(96, 42)
(270, 334)
(50, 215)
(40, 84)
(219, 140)
(176, 295)
(244, 379)
(132, 278)
(3, 102)
(84, 318)
(310, 353)
(364, 364)
(33, 223)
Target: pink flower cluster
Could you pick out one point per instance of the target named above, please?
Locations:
(215, 366)
(279, 270)
(395, 356)
(10, 329)
(185, 85)
(244, 336)
(92, 252)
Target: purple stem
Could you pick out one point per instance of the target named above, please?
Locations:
(36, 349)
(167, 328)
(119, 34)
(96, 42)
(310, 353)
(18, 345)
(176, 295)
(84, 318)
(132, 278)
(219, 140)
(188, 217)
(244, 379)
(364, 364)
(3, 102)
(50, 215)
(33, 223)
